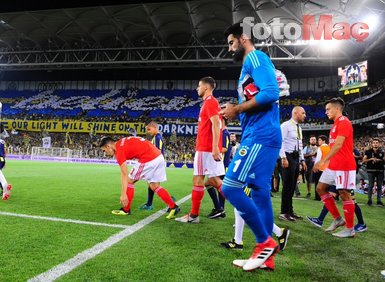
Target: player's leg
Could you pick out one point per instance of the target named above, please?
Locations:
(328, 178)
(216, 183)
(360, 226)
(282, 236)
(150, 197)
(154, 173)
(236, 243)
(166, 198)
(344, 181)
(5, 187)
(214, 198)
(196, 198)
(197, 190)
(239, 172)
(126, 210)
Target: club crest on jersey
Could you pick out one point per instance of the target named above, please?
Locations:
(243, 151)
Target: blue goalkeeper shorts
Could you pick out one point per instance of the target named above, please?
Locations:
(253, 164)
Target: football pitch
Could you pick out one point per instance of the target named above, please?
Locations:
(58, 225)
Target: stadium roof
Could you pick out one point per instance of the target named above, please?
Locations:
(112, 34)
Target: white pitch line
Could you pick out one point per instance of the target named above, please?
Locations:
(69, 265)
(64, 220)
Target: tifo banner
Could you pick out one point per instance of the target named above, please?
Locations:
(75, 126)
(178, 129)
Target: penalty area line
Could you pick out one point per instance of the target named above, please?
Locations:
(69, 265)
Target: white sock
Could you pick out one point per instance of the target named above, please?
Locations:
(3, 182)
(277, 231)
(239, 225)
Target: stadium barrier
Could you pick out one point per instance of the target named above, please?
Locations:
(88, 160)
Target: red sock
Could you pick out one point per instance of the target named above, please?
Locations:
(165, 196)
(330, 204)
(196, 198)
(130, 195)
(349, 207)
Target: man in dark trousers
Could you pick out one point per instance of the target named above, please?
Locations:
(374, 159)
(291, 155)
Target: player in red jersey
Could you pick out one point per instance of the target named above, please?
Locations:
(150, 167)
(208, 159)
(341, 171)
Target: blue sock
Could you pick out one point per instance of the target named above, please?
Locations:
(233, 191)
(357, 211)
(150, 197)
(261, 198)
(213, 195)
(323, 213)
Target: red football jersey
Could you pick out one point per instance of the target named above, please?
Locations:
(344, 159)
(135, 148)
(209, 109)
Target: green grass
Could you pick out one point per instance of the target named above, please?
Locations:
(163, 250)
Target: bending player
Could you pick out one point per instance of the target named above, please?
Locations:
(4, 186)
(150, 167)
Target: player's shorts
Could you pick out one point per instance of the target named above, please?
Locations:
(152, 171)
(253, 164)
(204, 164)
(341, 179)
(2, 162)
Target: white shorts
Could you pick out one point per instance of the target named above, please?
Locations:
(204, 164)
(153, 171)
(340, 178)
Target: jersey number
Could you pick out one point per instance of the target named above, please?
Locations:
(237, 163)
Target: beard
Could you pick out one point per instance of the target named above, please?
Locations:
(238, 54)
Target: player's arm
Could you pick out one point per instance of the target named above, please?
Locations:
(124, 180)
(216, 131)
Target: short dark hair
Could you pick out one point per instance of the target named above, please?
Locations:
(235, 29)
(376, 139)
(312, 135)
(336, 101)
(106, 140)
(209, 80)
(323, 138)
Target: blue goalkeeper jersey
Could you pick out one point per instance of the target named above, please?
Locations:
(262, 123)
